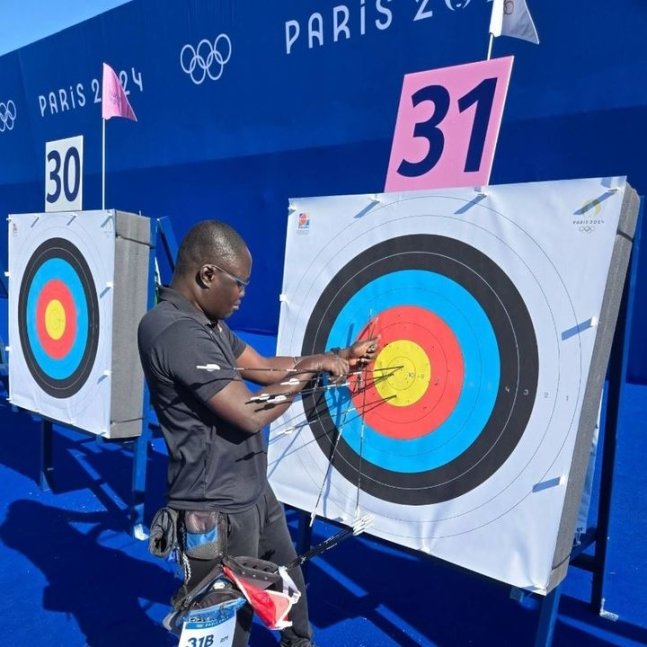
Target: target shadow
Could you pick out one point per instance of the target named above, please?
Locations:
(575, 612)
(411, 599)
(107, 591)
(20, 442)
(418, 600)
(106, 468)
(83, 461)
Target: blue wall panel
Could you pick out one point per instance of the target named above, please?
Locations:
(305, 103)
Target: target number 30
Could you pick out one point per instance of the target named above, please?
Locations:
(64, 174)
(447, 126)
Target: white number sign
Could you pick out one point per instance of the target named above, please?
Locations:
(64, 174)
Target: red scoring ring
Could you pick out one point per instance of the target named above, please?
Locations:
(433, 335)
(56, 348)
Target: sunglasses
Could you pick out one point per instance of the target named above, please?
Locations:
(240, 283)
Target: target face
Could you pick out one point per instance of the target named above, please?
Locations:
(459, 437)
(463, 369)
(58, 318)
(61, 269)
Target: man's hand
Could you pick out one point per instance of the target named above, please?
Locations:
(362, 352)
(336, 365)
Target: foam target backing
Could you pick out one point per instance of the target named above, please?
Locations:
(460, 437)
(78, 284)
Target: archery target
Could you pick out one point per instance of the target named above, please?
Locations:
(433, 440)
(58, 318)
(61, 268)
(459, 437)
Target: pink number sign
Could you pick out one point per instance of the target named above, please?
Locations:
(447, 127)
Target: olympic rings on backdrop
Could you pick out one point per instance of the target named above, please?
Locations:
(206, 59)
(457, 4)
(7, 115)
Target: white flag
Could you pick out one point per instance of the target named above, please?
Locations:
(512, 18)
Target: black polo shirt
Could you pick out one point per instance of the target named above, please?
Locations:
(213, 465)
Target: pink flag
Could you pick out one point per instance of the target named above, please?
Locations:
(114, 102)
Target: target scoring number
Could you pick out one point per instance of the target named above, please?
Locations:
(447, 126)
(64, 174)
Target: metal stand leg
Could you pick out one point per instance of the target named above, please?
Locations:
(164, 247)
(547, 618)
(140, 465)
(304, 536)
(46, 460)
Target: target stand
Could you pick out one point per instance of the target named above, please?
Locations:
(470, 439)
(78, 285)
(162, 256)
(597, 535)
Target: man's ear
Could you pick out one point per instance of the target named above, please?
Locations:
(205, 275)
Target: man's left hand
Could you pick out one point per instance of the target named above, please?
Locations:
(363, 351)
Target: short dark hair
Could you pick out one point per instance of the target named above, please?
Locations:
(209, 241)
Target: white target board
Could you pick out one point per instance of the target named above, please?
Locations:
(64, 271)
(460, 437)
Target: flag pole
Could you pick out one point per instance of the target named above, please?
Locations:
(496, 21)
(114, 103)
(103, 164)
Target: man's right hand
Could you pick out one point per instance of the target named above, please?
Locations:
(337, 366)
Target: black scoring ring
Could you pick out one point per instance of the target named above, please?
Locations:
(517, 343)
(69, 253)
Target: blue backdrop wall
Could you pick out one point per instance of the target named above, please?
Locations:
(301, 99)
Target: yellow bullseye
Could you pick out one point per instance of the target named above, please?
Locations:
(55, 319)
(409, 383)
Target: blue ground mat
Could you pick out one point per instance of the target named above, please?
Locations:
(72, 574)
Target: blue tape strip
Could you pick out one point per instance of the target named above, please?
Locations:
(544, 485)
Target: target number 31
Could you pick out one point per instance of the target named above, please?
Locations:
(64, 174)
(447, 126)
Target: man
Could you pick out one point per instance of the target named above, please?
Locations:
(217, 471)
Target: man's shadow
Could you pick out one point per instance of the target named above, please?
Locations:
(106, 590)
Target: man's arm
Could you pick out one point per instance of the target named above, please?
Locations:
(268, 370)
(234, 402)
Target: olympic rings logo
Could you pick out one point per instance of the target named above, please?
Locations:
(587, 229)
(7, 115)
(455, 4)
(207, 59)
